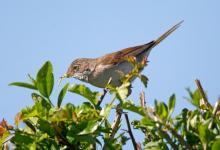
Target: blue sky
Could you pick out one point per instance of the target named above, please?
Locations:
(32, 32)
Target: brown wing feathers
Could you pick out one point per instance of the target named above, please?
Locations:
(134, 51)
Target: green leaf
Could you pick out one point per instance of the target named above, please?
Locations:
(62, 94)
(194, 97)
(108, 128)
(128, 105)
(193, 121)
(161, 109)
(45, 127)
(205, 134)
(32, 80)
(147, 121)
(29, 123)
(171, 104)
(70, 109)
(37, 110)
(87, 138)
(23, 84)
(123, 91)
(38, 98)
(157, 145)
(59, 115)
(4, 137)
(71, 137)
(106, 111)
(144, 80)
(85, 92)
(216, 145)
(22, 139)
(45, 79)
(91, 128)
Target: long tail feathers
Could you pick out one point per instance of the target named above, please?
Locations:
(166, 34)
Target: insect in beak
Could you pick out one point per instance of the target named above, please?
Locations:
(61, 78)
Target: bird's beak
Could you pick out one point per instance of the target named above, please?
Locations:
(62, 77)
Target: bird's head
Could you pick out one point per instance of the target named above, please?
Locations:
(80, 69)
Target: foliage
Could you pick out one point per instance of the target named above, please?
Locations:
(67, 126)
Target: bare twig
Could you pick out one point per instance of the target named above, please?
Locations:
(142, 99)
(116, 122)
(216, 107)
(135, 145)
(214, 112)
(167, 126)
(201, 91)
(102, 97)
(104, 93)
(178, 136)
(168, 138)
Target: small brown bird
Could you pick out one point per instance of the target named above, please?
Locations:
(98, 71)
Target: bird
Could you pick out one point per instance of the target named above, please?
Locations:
(98, 71)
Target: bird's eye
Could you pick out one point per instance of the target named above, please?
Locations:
(75, 67)
(87, 70)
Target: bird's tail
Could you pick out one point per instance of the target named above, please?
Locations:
(167, 33)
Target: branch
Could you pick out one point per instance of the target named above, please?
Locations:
(116, 122)
(168, 138)
(142, 99)
(168, 127)
(201, 91)
(214, 112)
(178, 136)
(104, 93)
(102, 96)
(135, 145)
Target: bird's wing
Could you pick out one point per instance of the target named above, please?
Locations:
(121, 55)
(117, 57)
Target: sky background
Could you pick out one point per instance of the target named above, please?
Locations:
(32, 32)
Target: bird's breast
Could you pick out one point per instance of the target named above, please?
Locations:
(102, 73)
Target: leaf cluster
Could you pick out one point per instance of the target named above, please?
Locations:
(45, 125)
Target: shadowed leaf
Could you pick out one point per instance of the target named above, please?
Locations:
(216, 145)
(144, 80)
(85, 92)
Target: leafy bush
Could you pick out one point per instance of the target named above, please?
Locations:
(47, 126)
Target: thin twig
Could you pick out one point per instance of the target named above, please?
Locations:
(104, 93)
(214, 112)
(168, 138)
(216, 108)
(178, 136)
(102, 97)
(116, 122)
(142, 99)
(130, 132)
(172, 131)
(201, 91)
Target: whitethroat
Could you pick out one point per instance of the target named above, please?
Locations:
(98, 71)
